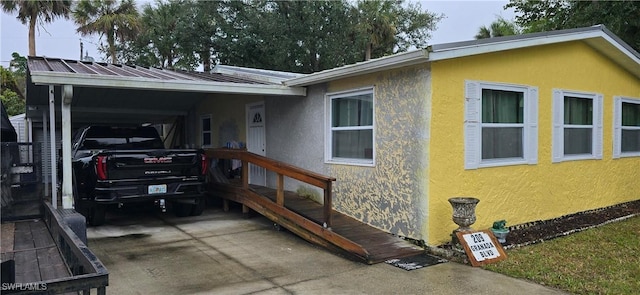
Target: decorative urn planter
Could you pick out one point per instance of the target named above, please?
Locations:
(464, 212)
(464, 215)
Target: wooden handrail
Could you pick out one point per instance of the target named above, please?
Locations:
(281, 169)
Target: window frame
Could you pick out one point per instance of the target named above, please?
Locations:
(329, 129)
(473, 125)
(618, 127)
(559, 126)
(203, 132)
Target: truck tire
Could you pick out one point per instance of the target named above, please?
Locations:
(198, 207)
(182, 209)
(97, 215)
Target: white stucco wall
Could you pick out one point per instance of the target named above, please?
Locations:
(295, 135)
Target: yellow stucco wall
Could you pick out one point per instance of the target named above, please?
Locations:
(526, 192)
(227, 117)
(391, 195)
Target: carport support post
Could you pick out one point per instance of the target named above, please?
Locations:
(44, 147)
(67, 185)
(52, 146)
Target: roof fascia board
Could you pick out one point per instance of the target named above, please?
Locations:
(618, 53)
(384, 63)
(622, 48)
(54, 78)
(455, 52)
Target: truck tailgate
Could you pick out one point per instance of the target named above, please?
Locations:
(139, 164)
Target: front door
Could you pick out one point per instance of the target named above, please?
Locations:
(256, 141)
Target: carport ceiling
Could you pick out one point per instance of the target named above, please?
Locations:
(121, 94)
(116, 106)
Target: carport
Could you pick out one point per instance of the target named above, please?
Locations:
(65, 94)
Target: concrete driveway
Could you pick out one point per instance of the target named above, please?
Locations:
(224, 253)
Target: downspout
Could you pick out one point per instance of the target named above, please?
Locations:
(67, 179)
(52, 147)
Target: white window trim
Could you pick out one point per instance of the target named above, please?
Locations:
(473, 125)
(557, 143)
(329, 159)
(202, 132)
(617, 126)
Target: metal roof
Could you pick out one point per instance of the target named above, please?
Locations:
(268, 76)
(45, 64)
(109, 93)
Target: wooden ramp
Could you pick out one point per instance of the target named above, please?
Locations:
(316, 223)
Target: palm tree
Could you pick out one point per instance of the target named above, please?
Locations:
(378, 23)
(33, 11)
(500, 27)
(116, 21)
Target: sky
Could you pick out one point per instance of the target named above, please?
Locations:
(59, 39)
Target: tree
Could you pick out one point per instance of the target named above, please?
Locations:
(117, 21)
(200, 34)
(294, 36)
(621, 17)
(415, 26)
(164, 34)
(388, 26)
(310, 36)
(540, 16)
(498, 28)
(377, 24)
(32, 12)
(18, 68)
(12, 97)
(18, 64)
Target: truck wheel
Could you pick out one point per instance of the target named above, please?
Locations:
(83, 209)
(181, 209)
(198, 207)
(97, 215)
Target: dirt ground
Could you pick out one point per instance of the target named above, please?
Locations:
(533, 232)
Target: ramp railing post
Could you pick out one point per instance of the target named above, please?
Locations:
(245, 174)
(327, 205)
(280, 192)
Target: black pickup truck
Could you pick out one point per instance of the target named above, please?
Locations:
(124, 165)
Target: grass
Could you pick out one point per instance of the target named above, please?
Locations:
(603, 260)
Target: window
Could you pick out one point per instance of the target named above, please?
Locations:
(500, 124)
(577, 125)
(351, 125)
(105, 137)
(626, 129)
(205, 126)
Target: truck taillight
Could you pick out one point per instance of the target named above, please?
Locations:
(204, 164)
(101, 167)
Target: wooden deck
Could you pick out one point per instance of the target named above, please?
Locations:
(30, 245)
(305, 217)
